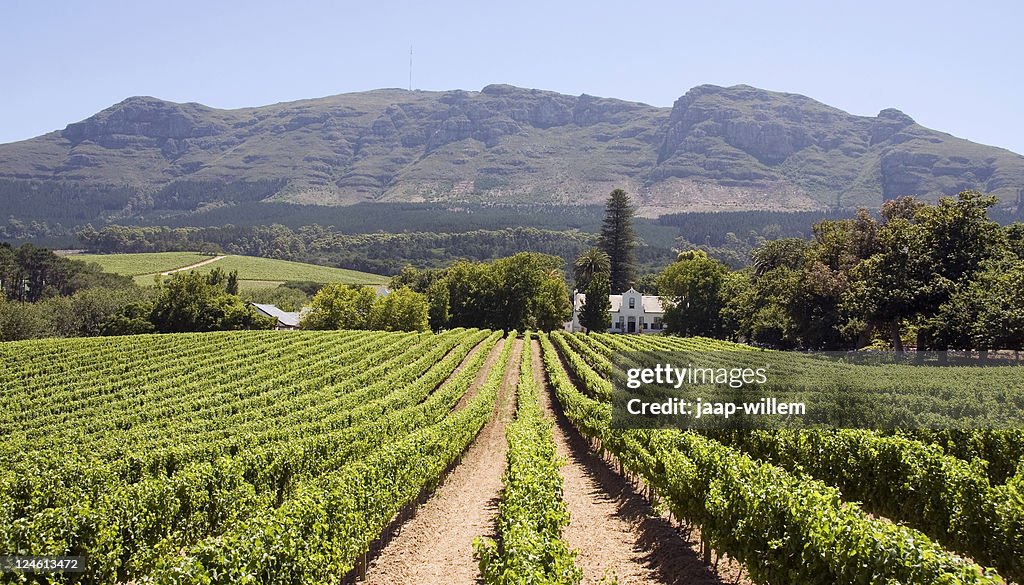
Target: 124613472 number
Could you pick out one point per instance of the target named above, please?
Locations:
(42, 563)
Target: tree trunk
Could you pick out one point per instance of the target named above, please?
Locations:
(864, 337)
(897, 342)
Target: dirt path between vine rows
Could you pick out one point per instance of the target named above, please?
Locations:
(191, 266)
(436, 545)
(613, 527)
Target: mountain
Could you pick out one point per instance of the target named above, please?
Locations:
(717, 148)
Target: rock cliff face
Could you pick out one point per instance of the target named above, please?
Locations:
(716, 148)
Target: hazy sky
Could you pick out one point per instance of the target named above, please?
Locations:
(956, 67)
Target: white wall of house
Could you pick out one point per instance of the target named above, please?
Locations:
(631, 312)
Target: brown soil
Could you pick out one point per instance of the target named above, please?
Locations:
(436, 545)
(612, 525)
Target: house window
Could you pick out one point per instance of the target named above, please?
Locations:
(632, 302)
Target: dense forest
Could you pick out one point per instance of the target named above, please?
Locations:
(432, 240)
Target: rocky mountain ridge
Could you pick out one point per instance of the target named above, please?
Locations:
(735, 148)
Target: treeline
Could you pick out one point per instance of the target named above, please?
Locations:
(728, 237)
(386, 217)
(344, 306)
(45, 295)
(380, 253)
(526, 291)
(940, 276)
(69, 203)
(30, 274)
(712, 228)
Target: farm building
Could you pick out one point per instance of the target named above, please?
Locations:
(631, 312)
(285, 319)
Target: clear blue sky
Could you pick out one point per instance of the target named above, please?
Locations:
(955, 67)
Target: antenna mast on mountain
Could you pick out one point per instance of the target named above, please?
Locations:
(410, 67)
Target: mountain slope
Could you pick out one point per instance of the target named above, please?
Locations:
(716, 148)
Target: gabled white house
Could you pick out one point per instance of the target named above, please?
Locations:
(631, 312)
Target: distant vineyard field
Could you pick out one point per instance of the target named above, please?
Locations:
(253, 272)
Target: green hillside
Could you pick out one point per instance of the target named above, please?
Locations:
(143, 264)
(252, 272)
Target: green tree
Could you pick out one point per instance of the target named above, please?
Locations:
(692, 285)
(885, 289)
(132, 319)
(340, 306)
(1015, 238)
(217, 277)
(551, 307)
(523, 291)
(987, 313)
(737, 291)
(647, 284)
(400, 310)
(596, 312)
(84, 313)
(618, 240)
(471, 294)
(530, 292)
(189, 302)
(1000, 322)
(957, 239)
(925, 255)
(438, 300)
(783, 253)
(593, 261)
(231, 285)
(20, 320)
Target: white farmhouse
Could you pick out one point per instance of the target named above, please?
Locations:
(631, 312)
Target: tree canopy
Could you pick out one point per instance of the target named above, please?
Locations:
(520, 292)
(596, 312)
(944, 272)
(190, 301)
(692, 287)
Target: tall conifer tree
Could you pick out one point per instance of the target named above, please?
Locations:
(618, 240)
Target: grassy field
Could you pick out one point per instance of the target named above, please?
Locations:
(142, 264)
(251, 268)
(252, 272)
